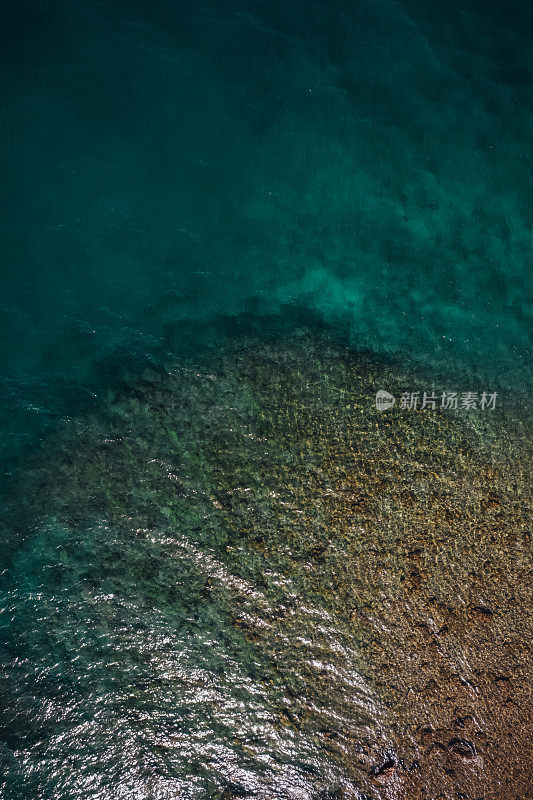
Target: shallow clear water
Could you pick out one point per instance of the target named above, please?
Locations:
(177, 174)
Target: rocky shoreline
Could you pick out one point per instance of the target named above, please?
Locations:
(374, 570)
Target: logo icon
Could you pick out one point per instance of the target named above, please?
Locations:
(384, 400)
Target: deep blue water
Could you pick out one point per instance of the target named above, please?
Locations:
(173, 172)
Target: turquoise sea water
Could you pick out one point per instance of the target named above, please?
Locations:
(167, 163)
(174, 173)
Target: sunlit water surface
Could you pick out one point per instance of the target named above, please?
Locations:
(175, 620)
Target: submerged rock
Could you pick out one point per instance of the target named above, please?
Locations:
(241, 579)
